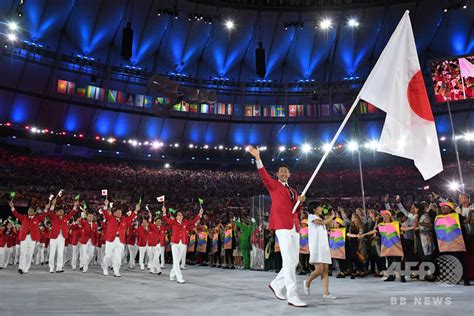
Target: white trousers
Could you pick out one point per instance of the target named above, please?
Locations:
(86, 254)
(113, 255)
(178, 251)
(56, 246)
(141, 258)
(17, 254)
(2, 256)
(183, 260)
(162, 256)
(155, 266)
(8, 256)
(289, 240)
(39, 253)
(27, 247)
(75, 256)
(100, 254)
(133, 250)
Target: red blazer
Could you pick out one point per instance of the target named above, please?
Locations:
(88, 232)
(116, 228)
(281, 216)
(60, 224)
(44, 237)
(3, 238)
(75, 235)
(180, 231)
(157, 235)
(142, 234)
(29, 226)
(11, 238)
(132, 235)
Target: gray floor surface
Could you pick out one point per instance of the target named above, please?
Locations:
(211, 291)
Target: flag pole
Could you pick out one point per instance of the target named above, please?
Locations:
(326, 153)
(463, 87)
(455, 146)
(361, 180)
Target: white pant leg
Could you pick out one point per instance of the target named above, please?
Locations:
(42, 252)
(162, 256)
(17, 254)
(82, 250)
(60, 250)
(149, 254)
(117, 256)
(74, 257)
(2, 256)
(141, 257)
(183, 259)
(108, 252)
(88, 254)
(289, 248)
(132, 249)
(27, 247)
(156, 268)
(53, 248)
(8, 256)
(177, 251)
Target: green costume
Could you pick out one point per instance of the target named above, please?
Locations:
(244, 241)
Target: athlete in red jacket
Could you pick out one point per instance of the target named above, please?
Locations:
(179, 240)
(285, 223)
(132, 244)
(28, 236)
(156, 238)
(87, 241)
(115, 238)
(142, 241)
(58, 235)
(75, 235)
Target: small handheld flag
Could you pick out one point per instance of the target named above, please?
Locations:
(51, 197)
(140, 201)
(104, 193)
(161, 199)
(146, 207)
(76, 198)
(173, 211)
(60, 193)
(201, 201)
(111, 204)
(12, 195)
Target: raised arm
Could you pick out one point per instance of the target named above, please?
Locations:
(196, 219)
(74, 210)
(266, 179)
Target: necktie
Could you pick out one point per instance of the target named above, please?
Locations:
(292, 194)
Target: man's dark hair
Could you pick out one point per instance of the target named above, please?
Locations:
(282, 166)
(313, 205)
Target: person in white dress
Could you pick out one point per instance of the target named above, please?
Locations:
(319, 252)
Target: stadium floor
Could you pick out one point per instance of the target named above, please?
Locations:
(211, 291)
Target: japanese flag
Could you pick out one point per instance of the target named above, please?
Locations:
(161, 199)
(104, 193)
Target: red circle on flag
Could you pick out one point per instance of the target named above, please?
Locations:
(417, 97)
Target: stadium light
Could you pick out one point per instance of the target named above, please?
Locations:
(282, 148)
(371, 145)
(263, 148)
(306, 148)
(191, 146)
(325, 24)
(353, 146)
(454, 185)
(221, 147)
(327, 147)
(176, 145)
(167, 165)
(12, 37)
(230, 25)
(12, 26)
(469, 136)
(353, 23)
(206, 146)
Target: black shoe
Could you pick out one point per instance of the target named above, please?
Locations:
(390, 278)
(60, 271)
(353, 276)
(232, 268)
(402, 279)
(340, 276)
(467, 283)
(81, 268)
(226, 267)
(159, 273)
(20, 271)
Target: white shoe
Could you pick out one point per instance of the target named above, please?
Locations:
(105, 272)
(183, 268)
(278, 293)
(305, 288)
(172, 279)
(329, 297)
(181, 282)
(296, 302)
(117, 275)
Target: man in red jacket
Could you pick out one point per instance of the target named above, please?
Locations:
(28, 236)
(75, 234)
(86, 243)
(285, 223)
(115, 236)
(156, 239)
(132, 244)
(58, 234)
(8, 242)
(179, 240)
(142, 241)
